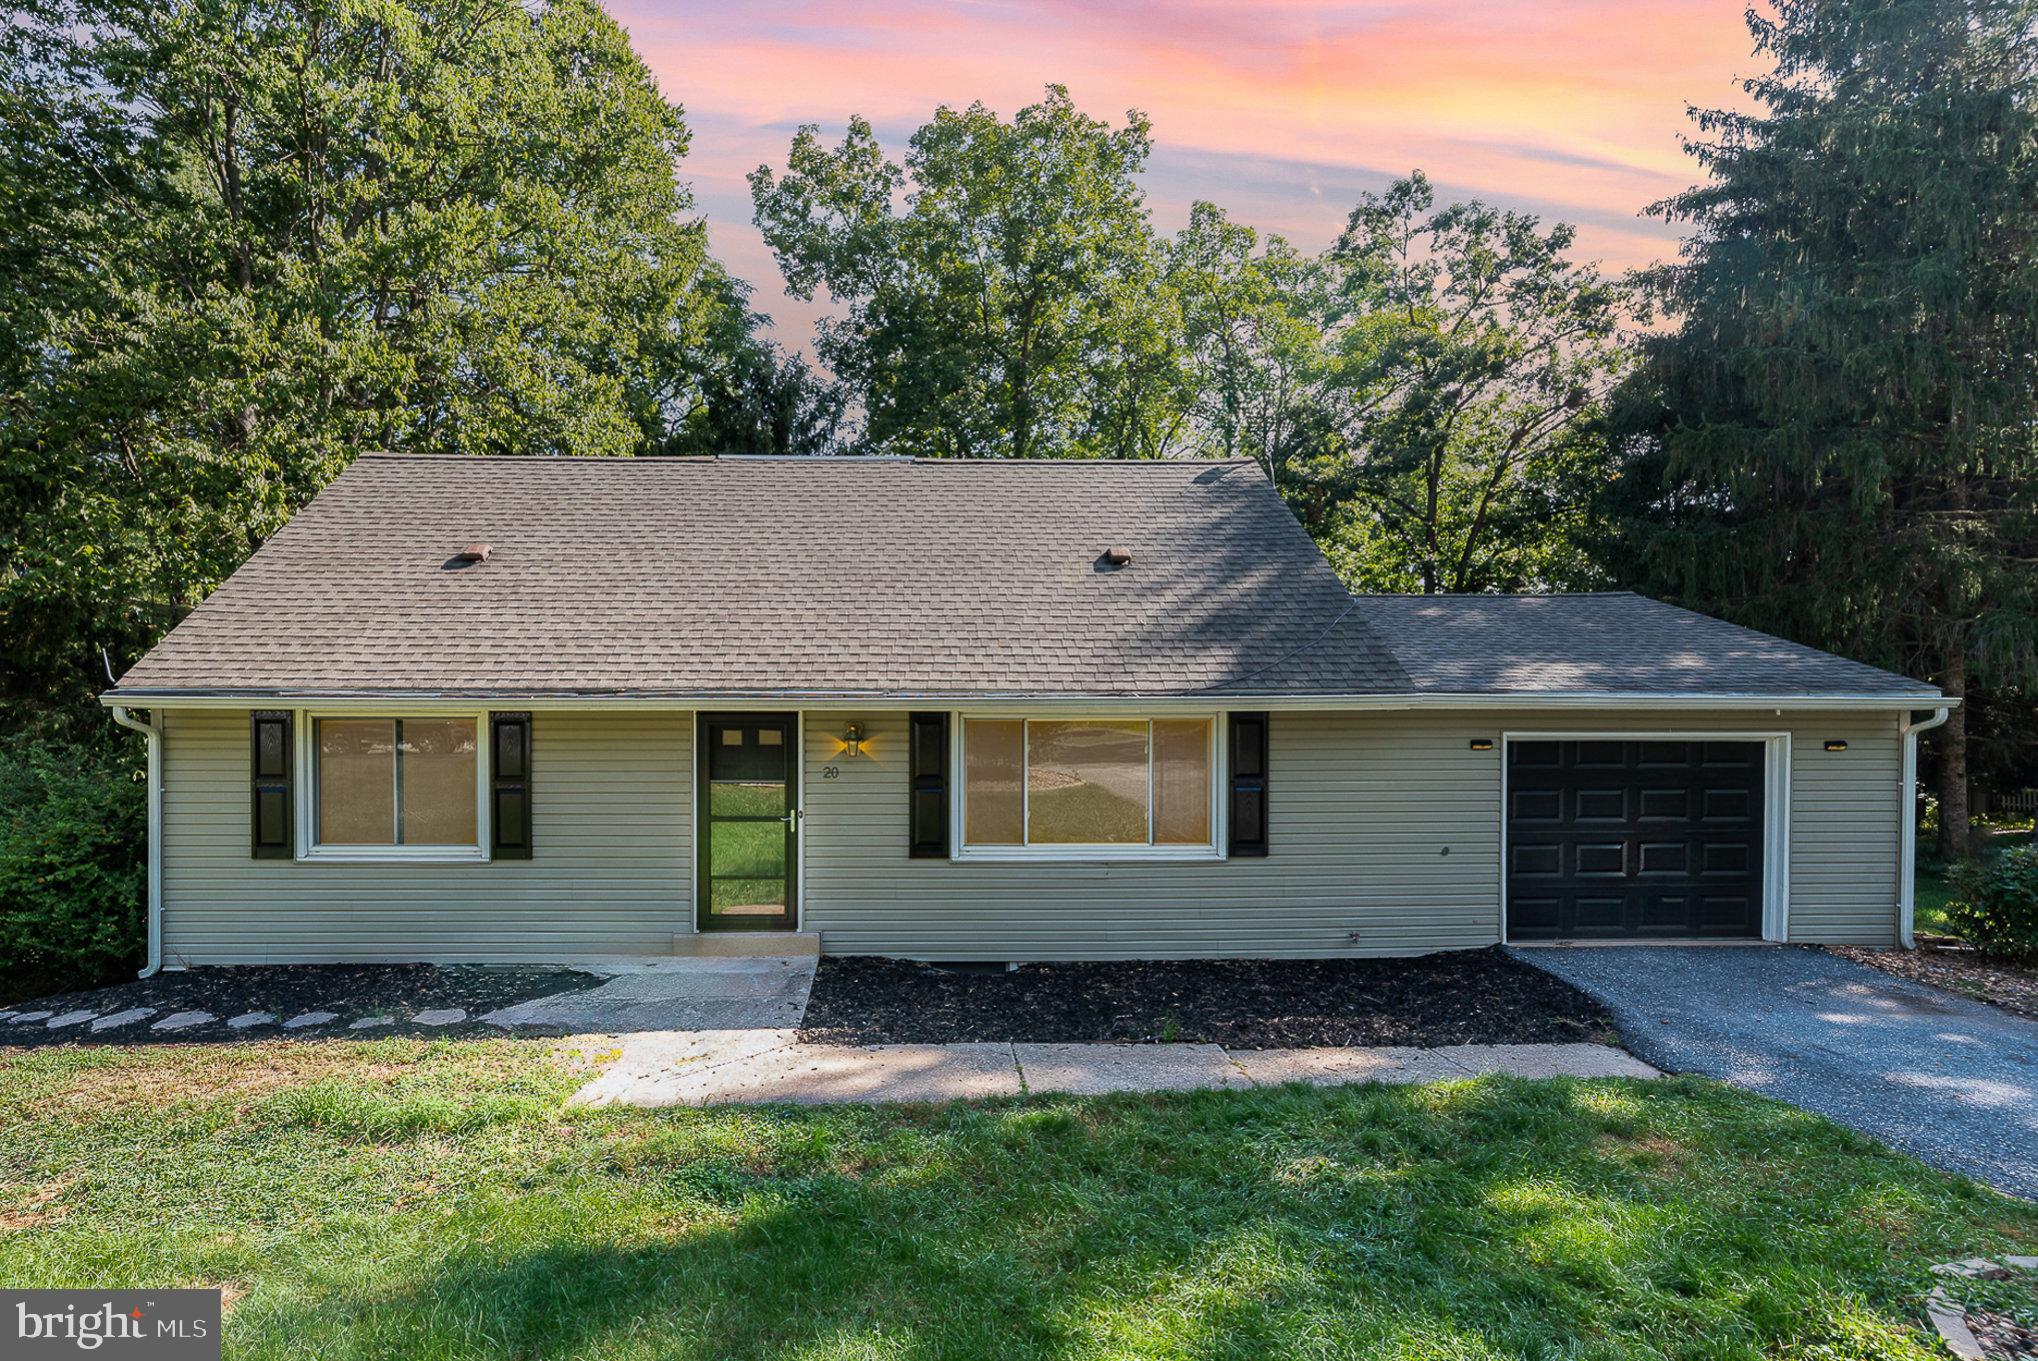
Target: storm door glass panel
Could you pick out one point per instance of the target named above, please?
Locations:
(747, 835)
(994, 782)
(1086, 783)
(1181, 782)
(436, 771)
(357, 782)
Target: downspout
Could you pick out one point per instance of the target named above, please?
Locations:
(155, 736)
(1907, 871)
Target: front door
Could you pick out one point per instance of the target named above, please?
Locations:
(748, 772)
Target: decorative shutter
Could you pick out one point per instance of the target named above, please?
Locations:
(927, 756)
(273, 758)
(509, 786)
(1248, 774)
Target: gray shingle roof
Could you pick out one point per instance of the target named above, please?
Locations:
(1607, 643)
(794, 577)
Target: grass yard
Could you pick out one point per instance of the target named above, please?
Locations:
(411, 1199)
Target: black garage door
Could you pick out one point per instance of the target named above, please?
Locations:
(1612, 840)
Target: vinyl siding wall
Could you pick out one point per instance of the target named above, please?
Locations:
(611, 809)
(1387, 826)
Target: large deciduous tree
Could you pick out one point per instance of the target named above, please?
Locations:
(1839, 440)
(242, 240)
(1002, 286)
(1468, 360)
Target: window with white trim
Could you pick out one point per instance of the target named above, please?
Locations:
(395, 785)
(1088, 785)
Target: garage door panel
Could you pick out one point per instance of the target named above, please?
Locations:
(1611, 839)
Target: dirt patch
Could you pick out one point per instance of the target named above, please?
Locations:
(1458, 997)
(350, 991)
(1958, 969)
(37, 1210)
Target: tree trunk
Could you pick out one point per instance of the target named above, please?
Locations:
(1954, 821)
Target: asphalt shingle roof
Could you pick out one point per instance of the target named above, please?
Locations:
(809, 578)
(795, 577)
(1612, 642)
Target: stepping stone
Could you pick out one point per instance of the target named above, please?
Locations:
(441, 1016)
(299, 1022)
(1091, 1069)
(371, 1022)
(184, 1020)
(121, 1018)
(248, 1018)
(71, 1018)
(25, 1017)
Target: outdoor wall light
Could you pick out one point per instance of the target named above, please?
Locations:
(852, 739)
(1835, 744)
(1482, 744)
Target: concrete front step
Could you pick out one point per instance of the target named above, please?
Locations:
(747, 944)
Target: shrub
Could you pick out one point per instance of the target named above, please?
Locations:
(73, 871)
(1998, 904)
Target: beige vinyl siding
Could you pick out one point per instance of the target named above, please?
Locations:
(611, 809)
(1387, 826)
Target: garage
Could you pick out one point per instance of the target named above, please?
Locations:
(1634, 839)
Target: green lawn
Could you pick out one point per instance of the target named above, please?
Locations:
(408, 1200)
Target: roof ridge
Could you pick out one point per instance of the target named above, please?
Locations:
(563, 460)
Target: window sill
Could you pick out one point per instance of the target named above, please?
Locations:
(1087, 855)
(394, 855)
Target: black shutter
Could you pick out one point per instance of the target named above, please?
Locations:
(509, 786)
(927, 756)
(1248, 800)
(273, 757)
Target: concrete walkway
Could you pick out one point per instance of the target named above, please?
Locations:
(694, 1068)
(1948, 1080)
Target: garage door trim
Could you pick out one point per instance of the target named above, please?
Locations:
(1775, 813)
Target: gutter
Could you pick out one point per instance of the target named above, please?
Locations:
(154, 733)
(1907, 857)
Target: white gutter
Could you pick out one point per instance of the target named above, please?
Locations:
(437, 701)
(155, 736)
(1907, 857)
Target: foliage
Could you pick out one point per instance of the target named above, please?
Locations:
(1464, 386)
(242, 240)
(1839, 440)
(1001, 286)
(73, 890)
(1997, 906)
(436, 1200)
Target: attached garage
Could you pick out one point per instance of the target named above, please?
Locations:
(1636, 838)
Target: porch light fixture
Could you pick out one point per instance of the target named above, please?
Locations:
(1482, 744)
(1835, 744)
(852, 739)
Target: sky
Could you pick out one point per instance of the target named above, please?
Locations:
(1283, 112)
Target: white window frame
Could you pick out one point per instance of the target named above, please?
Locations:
(1073, 852)
(306, 723)
(1777, 782)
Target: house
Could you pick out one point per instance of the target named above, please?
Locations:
(538, 709)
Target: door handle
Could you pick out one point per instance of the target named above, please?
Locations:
(792, 818)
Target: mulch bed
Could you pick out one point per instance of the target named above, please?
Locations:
(1957, 968)
(1456, 997)
(351, 990)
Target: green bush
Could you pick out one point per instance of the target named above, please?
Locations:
(1997, 906)
(73, 869)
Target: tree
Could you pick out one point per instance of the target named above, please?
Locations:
(243, 240)
(1002, 286)
(1468, 364)
(1837, 441)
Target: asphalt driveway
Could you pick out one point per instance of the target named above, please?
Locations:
(1950, 1081)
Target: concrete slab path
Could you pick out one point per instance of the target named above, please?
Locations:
(692, 1068)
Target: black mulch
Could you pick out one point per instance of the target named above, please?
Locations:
(1456, 997)
(353, 991)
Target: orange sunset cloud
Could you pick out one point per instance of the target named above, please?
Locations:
(1283, 112)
